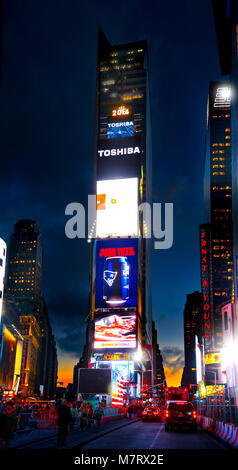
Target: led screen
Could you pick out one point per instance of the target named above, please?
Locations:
(119, 156)
(117, 208)
(120, 129)
(95, 381)
(115, 331)
(116, 273)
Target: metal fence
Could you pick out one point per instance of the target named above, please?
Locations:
(26, 421)
(220, 406)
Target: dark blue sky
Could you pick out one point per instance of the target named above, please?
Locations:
(47, 99)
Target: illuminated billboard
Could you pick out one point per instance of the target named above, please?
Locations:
(117, 208)
(116, 273)
(198, 361)
(207, 307)
(121, 111)
(115, 331)
(119, 156)
(120, 129)
(213, 358)
(7, 358)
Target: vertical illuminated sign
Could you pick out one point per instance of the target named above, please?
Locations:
(3, 249)
(198, 361)
(207, 308)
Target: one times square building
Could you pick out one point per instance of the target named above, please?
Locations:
(216, 235)
(120, 304)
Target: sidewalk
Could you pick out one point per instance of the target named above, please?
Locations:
(47, 438)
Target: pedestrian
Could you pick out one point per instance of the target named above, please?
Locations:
(8, 421)
(83, 416)
(64, 419)
(130, 411)
(90, 415)
(98, 414)
(74, 414)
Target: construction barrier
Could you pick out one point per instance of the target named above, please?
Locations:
(47, 419)
(226, 431)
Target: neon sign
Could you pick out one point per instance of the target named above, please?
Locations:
(205, 278)
(121, 111)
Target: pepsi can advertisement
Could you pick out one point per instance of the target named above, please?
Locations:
(116, 273)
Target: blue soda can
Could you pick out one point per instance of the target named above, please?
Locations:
(116, 280)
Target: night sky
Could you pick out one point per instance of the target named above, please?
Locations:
(47, 99)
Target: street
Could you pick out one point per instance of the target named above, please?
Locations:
(128, 435)
(140, 435)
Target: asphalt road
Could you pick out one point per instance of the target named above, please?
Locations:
(125, 434)
(147, 435)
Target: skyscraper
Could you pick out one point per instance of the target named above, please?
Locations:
(226, 22)
(25, 261)
(121, 254)
(217, 232)
(192, 328)
(24, 287)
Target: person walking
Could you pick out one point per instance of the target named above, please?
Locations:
(98, 414)
(74, 414)
(8, 421)
(130, 411)
(90, 415)
(83, 416)
(64, 419)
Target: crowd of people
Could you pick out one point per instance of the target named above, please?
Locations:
(64, 414)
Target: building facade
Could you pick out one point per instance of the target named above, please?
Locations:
(24, 277)
(3, 251)
(120, 297)
(11, 347)
(226, 23)
(30, 331)
(24, 288)
(216, 235)
(192, 328)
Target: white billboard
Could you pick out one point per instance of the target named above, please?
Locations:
(198, 361)
(117, 208)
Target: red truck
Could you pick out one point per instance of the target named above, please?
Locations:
(176, 394)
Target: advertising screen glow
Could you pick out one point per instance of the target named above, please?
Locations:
(121, 154)
(116, 273)
(120, 129)
(117, 208)
(115, 331)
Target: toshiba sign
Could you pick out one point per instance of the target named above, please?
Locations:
(118, 151)
(119, 157)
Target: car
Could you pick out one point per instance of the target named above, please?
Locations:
(152, 413)
(180, 414)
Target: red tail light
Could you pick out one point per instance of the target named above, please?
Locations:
(167, 414)
(144, 412)
(194, 414)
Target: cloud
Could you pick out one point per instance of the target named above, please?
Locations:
(73, 340)
(173, 359)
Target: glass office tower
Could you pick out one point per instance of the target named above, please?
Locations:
(217, 234)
